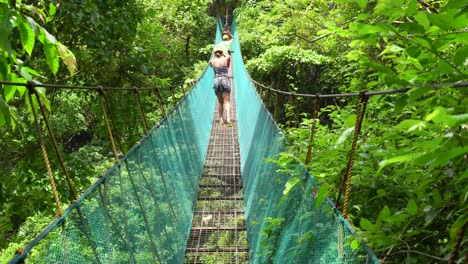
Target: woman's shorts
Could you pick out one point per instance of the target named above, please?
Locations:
(222, 84)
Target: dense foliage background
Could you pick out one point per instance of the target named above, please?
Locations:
(410, 183)
(410, 188)
(131, 43)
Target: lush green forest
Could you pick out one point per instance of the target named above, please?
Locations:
(409, 196)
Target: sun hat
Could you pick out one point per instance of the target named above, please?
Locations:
(217, 48)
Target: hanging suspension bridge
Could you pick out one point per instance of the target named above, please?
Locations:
(195, 191)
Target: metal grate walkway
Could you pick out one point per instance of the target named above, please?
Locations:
(218, 233)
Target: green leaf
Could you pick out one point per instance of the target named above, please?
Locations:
(367, 225)
(27, 35)
(457, 226)
(5, 28)
(4, 113)
(443, 21)
(416, 93)
(436, 198)
(384, 214)
(322, 194)
(350, 121)
(412, 207)
(344, 136)
(51, 57)
(455, 4)
(411, 8)
(460, 56)
(288, 187)
(9, 91)
(422, 19)
(52, 9)
(355, 244)
(445, 157)
(413, 51)
(362, 3)
(413, 28)
(67, 57)
(398, 159)
(409, 125)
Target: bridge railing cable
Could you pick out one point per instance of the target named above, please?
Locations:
(368, 93)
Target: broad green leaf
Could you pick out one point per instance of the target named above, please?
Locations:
(445, 68)
(413, 28)
(411, 8)
(20, 89)
(367, 225)
(384, 214)
(436, 198)
(323, 32)
(362, 3)
(289, 186)
(459, 119)
(440, 116)
(425, 42)
(45, 36)
(460, 57)
(52, 9)
(350, 121)
(322, 194)
(457, 226)
(422, 19)
(398, 159)
(42, 95)
(409, 125)
(67, 57)
(5, 28)
(27, 35)
(445, 157)
(412, 207)
(413, 51)
(417, 93)
(9, 91)
(51, 53)
(32, 24)
(401, 103)
(442, 21)
(4, 113)
(344, 136)
(355, 244)
(455, 4)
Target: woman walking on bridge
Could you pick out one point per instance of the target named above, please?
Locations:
(222, 84)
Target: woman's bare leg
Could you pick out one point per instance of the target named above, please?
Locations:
(220, 107)
(227, 105)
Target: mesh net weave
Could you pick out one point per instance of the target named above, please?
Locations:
(141, 210)
(294, 230)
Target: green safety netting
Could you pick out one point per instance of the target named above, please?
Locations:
(141, 210)
(293, 230)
